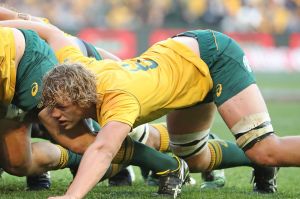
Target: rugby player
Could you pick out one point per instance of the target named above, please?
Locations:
(127, 154)
(158, 134)
(189, 96)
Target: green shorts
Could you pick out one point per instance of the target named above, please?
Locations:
(37, 60)
(228, 65)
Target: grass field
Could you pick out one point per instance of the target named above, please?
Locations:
(282, 92)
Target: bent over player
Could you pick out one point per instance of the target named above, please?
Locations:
(47, 156)
(215, 72)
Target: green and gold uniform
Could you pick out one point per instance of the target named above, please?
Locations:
(227, 63)
(167, 76)
(22, 88)
(172, 77)
(7, 65)
(37, 60)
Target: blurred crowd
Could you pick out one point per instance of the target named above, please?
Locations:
(269, 16)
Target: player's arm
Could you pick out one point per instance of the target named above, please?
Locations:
(9, 14)
(97, 158)
(76, 139)
(55, 37)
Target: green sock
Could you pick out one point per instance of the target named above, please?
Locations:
(151, 159)
(142, 156)
(73, 160)
(225, 154)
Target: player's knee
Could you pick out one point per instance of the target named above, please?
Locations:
(17, 168)
(254, 134)
(261, 157)
(140, 133)
(191, 147)
(252, 129)
(200, 162)
(189, 144)
(265, 152)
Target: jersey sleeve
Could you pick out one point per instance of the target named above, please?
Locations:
(119, 106)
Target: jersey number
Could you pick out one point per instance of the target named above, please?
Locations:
(143, 65)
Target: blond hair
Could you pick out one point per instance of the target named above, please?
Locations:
(69, 82)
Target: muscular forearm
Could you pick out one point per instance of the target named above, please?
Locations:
(8, 14)
(42, 29)
(55, 37)
(97, 158)
(94, 164)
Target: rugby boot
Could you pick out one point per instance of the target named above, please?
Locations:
(213, 179)
(171, 181)
(153, 180)
(123, 178)
(264, 179)
(38, 182)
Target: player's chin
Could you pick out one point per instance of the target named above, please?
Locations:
(68, 126)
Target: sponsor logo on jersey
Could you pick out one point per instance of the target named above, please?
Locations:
(246, 64)
(34, 89)
(219, 90)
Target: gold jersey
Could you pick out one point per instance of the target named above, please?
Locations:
(7, 65)
(167, 76)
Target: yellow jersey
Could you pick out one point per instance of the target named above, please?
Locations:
(7, 65)
(167, 76)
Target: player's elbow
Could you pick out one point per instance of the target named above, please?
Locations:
(56, 38)
(18, 168)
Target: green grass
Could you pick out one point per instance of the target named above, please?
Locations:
(285, 119)
(279, 80)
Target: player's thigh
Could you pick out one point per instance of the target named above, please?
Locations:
(192, 119)
(15, 144)
(247, 102)
(236, 94)
(247, 117)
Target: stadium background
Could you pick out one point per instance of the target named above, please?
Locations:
(265, 28)
(268, 30)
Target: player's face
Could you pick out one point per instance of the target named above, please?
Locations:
(67, 114)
